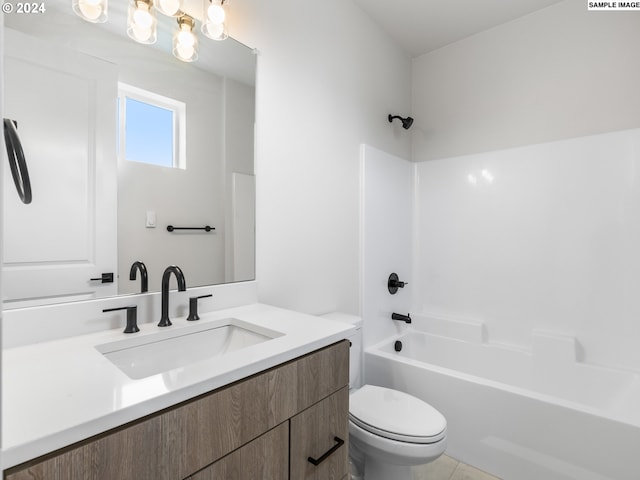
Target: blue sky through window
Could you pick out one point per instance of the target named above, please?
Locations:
(149, 133)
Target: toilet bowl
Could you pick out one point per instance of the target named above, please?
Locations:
(389, 431)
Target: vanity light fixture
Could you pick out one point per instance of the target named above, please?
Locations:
(185, 42)
(141, 22)
(94, 11)
(214, 24)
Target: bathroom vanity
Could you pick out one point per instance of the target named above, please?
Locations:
(269, 423)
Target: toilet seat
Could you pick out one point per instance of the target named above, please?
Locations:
(396, 415)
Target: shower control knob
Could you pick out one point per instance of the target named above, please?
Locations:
(394, 283)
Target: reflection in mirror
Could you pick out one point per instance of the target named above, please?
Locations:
(123, 140)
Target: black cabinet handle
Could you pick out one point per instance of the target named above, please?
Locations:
(104, 278)
(318, 461)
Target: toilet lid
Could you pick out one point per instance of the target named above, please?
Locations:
(396, 415)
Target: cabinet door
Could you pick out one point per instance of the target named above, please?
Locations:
(265, 458)
(321, 433)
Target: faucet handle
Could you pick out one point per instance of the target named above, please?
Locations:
(193, 307)
(132, 317)
(394, 283)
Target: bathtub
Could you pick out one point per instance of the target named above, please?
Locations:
(520, 414)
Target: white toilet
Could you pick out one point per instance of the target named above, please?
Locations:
(389, 431)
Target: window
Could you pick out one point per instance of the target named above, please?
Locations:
(151, 128)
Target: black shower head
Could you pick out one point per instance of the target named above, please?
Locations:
(406, 122)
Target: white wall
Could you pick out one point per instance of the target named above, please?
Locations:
(239, 118)
(561, 72)
(327, 78)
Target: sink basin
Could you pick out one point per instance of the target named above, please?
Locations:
(152, 354)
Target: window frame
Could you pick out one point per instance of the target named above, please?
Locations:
(179, 110)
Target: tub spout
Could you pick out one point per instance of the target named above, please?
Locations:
(403, 318)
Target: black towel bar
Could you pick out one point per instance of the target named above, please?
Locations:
(206, 228)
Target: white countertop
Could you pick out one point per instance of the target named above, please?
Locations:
(59, 392)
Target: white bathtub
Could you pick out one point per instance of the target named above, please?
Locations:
(520, 414)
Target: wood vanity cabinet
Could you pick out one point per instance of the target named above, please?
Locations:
(262, 427)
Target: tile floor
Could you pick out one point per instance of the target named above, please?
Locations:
(447, 468)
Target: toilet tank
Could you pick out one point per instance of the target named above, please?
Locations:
(355, 350)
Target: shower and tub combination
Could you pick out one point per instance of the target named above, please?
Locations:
(525, 328)
(521, 414)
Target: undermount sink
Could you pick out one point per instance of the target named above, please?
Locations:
(152, 354)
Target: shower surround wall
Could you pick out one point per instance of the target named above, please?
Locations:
(542, 238)
(514, 245)
(387, 217)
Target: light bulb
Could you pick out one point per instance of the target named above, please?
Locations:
(91, 9)
(185, 43)
(169, 7)
(94, 11)
(142, 17)
(142, 34)
(185, 52)
(215, 16)
(215, 31)
(216, 13)
(186, 39)
(141, 24)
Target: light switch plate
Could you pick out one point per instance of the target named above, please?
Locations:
(151, 219)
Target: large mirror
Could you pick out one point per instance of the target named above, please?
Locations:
(121, 141)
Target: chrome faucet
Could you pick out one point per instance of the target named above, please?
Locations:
(164, 319)
(144, 277)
